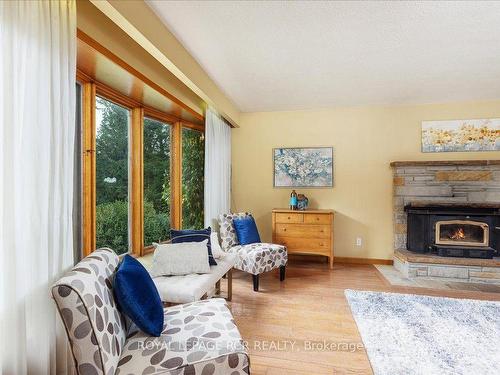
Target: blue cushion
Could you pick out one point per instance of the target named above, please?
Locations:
(192, 235)
(137, 296)
(246, 230)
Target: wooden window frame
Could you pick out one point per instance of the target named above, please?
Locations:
(90, 90)
(88, 163)
(137, 186)
(176, 177)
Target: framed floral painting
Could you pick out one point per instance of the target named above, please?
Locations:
(307, 167)
(461, 135)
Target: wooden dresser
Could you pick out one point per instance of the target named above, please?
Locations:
(304, 232)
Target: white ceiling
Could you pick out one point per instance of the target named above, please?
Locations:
(269, 56)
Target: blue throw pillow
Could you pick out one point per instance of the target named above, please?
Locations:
(137, 296)
(246, 230)
(193, 235)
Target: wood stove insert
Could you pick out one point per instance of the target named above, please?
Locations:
(469, 230)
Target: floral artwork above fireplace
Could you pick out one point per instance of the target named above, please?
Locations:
(461, 135)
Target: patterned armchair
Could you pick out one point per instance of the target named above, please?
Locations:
(254, 258)
(197, 338)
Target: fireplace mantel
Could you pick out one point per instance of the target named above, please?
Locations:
(430, 163)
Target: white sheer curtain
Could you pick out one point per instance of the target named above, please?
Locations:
(37, 121)
(217, 167)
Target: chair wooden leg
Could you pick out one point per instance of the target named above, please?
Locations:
(217, 288)
(255, 283)
(229, 276)
(282, 273)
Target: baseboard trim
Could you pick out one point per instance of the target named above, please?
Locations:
(350, 260)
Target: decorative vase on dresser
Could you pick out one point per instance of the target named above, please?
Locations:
(304, 232)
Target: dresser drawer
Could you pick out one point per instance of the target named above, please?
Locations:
(317, 219)
(302, 230)
(289, 218)
(305, 245)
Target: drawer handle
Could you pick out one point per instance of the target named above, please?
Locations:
(284, 229)
(322, 231)
(317, 218)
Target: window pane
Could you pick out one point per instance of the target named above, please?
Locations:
(193, 162)
(156, 181)
(112, 176)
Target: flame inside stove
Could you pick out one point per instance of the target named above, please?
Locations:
(458, 234)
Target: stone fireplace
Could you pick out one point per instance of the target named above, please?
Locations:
(447, 219)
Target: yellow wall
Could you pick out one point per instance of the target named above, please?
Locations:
(365, 141)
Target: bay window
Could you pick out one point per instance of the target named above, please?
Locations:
(142, 172)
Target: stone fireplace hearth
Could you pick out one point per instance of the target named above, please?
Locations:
(452, 210)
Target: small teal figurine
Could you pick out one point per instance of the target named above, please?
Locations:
(293, 200)
(302, 202)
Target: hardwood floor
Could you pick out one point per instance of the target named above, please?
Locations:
(309, 306)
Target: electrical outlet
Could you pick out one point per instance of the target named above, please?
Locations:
(359, 241)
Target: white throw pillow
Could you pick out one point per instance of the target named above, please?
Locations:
(216, 249)
(180, 259)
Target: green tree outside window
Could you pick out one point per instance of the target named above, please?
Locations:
(156, 181)
(112, 178)
(193, 168)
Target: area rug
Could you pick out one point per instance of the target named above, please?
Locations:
(408, 334)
